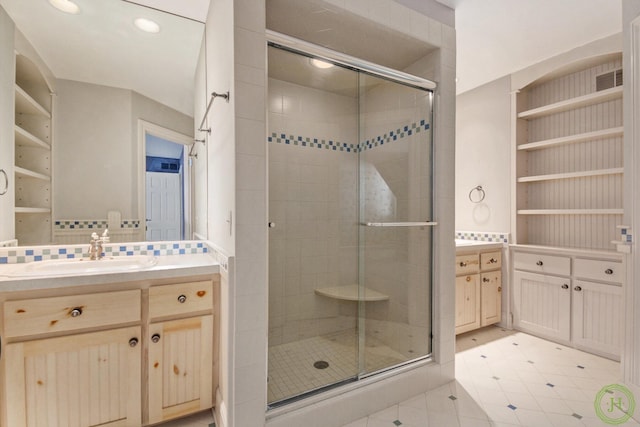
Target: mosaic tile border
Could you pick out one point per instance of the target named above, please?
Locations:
(391, 136)
(71, 224)
(625, 235)
(483, 236)
(40, 253)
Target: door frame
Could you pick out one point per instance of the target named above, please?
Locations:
(144, 128)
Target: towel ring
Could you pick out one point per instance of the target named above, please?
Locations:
(6, 183)
(481, 194)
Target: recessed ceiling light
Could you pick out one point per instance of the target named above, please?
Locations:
(65, 6)
(321, 64)
(147, 25)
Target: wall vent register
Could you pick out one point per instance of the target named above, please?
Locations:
(609, 80)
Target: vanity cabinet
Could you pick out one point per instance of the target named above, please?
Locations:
(478, 290)
(132, 357)
(573, 298)
(180, 360)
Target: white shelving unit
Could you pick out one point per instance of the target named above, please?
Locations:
(569, 160)
(32, 131)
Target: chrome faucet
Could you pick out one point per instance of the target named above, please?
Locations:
(95, 245)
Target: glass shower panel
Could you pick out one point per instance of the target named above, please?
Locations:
(313, 235)
(395, 205)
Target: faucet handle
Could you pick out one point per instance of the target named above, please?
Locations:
(95, 236)
(105, 236)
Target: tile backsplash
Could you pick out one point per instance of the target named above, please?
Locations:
(483, 236)
(12, 255)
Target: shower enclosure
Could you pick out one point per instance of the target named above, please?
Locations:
(350, 205)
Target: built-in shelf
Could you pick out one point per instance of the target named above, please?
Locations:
(24, 210)
(22, 172)
(24, 138)
(572, 139)
(25, 104)
(569, 104)
(572, 175)
(352, 293)
(570, 211)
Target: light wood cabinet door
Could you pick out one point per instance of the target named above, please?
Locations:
(597, 322)
(467, 303)
(491, 296)
(542, 305)
(180, 367)
(75, 381)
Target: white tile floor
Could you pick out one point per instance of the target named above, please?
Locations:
(508, 378)
(503, 378)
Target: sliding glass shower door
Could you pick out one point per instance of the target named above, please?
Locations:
(349, 292)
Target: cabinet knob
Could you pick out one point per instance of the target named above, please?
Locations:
(133, 342)
(155, 337)
(577, 288)
(565, 286)
(272, 225)
(182, 299)
(463, 264)
(539, 263)
(76, 312)
(486, 280)
(608, 271)
(493, 261)
(468, 278)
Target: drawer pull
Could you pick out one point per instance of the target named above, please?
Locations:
(76, 312)
(577, 288)
(565, 286)
(493, 261)
(463, 264)
(486, 280)
(539, 263)
(468, 278)
(155, 337)
(182, 299)
(608, 271)
(133, 342)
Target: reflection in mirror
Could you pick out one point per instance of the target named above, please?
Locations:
(103, 79)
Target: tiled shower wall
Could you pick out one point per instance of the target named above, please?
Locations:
(314, 204)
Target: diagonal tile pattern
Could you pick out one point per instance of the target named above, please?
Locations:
(508, 378)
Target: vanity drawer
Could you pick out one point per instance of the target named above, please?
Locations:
(490, 260)
(181, 298)
(467, 264)
(549, 264)
(606, 271)
(74, 312)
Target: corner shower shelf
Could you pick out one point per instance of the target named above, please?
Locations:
(566, 105)
(571, 139)
(350, 293)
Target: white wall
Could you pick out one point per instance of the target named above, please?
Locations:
(7, 82)
(95, 154)
(483, 157)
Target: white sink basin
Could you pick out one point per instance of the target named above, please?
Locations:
(79, 266)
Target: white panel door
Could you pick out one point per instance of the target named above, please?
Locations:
(164, 206)
(597, 317)
(542, 305)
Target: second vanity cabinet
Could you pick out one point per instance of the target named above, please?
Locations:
(134, 357)
(571, 297)
(478, 289)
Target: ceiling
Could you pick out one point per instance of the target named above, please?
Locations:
(101, 46)
(498, 37)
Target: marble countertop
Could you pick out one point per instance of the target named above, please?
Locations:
(475, 245)
(168, 266)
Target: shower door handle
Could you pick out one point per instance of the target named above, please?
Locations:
(400, 224)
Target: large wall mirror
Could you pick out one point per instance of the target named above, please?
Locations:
(122, 117)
